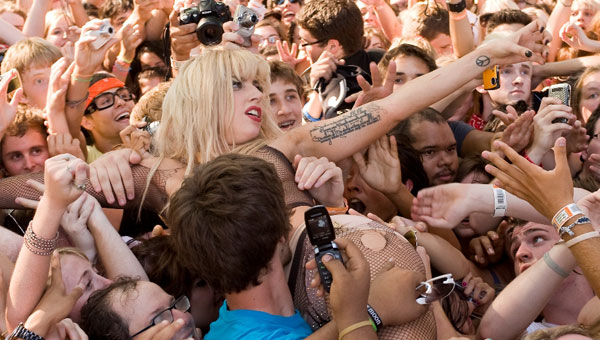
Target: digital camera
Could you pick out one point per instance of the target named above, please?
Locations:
(246, 19)
(103, 34)
(210, 16)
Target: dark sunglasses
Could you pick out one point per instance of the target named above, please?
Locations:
(107, 99)
(280, 2)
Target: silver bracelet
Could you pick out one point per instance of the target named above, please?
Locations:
(567, 230)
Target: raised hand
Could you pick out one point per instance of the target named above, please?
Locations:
(575, 37)
(112, 171)
(518, 134)
(590, 205)
(547, 191)
(442, 206)
(60, 77)
(380, 88)
(137, 139)
(487, 248)
(545, 132)
(322, 178)
(64, 177)
(183, 37)
(87, 58)
(527, 44)
(131, 38)
(63, 143)
(289, 55)
(9, 109)
(382, 169)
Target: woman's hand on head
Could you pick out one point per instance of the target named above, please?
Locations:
(111, 174)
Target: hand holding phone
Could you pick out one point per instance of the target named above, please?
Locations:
(321, 234)
(562, 92)
(491, 78)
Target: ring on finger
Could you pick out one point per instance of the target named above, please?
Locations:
(69, 169)
(79, 186)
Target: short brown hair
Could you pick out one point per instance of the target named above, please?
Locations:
(111, 8)
(334, 19)
(432, 22)
(26, 118)
(282, 71)
(408, 50)
(29, 53)
(506, 16)
(99, 320)
(227, 220)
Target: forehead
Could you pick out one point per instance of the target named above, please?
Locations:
(265, 30)
(410, 64)
(281, 85)
(139, 306)
(36, 71)
(592, 79)
(514, 233)
(507, 28)
(429, 134)
(73, 267)
(31, 138)
(523, 65)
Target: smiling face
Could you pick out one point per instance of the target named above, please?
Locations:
(106, 124)
(286, 104)
(515, 84)
(528, 243)
(288, 11)
(247, 114)
(79, 271)
(26, 154)
(590, 95)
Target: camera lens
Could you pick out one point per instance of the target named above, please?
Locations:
(210, 33)
(110, 30)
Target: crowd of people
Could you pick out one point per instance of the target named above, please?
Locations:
(159, 159)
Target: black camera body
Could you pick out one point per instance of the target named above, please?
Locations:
(210, 15)
(321, 234)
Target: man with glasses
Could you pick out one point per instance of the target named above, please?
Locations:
(329, 32)
(107, 111)
(128, 308)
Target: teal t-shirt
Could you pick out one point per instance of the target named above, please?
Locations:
(250, 324)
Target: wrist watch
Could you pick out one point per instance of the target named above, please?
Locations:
(456, 8)
(23, 333)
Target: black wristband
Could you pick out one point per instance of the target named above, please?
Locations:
(375, 317)
(457, 8)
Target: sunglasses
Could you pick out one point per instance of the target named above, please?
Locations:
(107, 99)
(281, 2)
(435, 289)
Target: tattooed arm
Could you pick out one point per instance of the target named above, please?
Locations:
(344, 135)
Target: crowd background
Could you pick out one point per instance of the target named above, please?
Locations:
(155, 170)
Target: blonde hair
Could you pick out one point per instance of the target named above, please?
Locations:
(198, 109)
(28, 53)
(589, 4)
(150, 104)
(51, 17)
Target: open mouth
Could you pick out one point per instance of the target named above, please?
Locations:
(255, 113)
(123, 116)
(289, 15)
(357, 205)
(287, 125)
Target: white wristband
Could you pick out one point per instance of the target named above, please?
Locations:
(499, 202)
(564, 214)
(582, 238)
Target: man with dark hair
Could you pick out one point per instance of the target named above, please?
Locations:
(434, 26)
(514, 19)
(430, 134)
(128, 308)
(329, 32)
(230, 226)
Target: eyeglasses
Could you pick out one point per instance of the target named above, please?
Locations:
(182, 304)
(435, 289)
(303, 43)
(270, 40)
(280, 2)
(107, 99)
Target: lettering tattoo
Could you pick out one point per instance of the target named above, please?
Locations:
(482, 61)
(346, 123)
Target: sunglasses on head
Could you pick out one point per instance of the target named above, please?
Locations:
(280, 2)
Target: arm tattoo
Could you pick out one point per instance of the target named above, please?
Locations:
(482, 61)
(346, 123)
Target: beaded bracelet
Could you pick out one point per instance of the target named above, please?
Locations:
(39, 245)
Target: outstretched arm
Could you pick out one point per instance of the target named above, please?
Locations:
(365, 124)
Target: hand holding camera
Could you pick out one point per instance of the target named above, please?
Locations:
(209, 15)
(96, 38)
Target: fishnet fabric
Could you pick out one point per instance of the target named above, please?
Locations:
(156, 198)
(314, 308)
(293, 196)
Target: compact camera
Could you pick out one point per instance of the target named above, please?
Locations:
(151, 126)
(210, 15)
(321, 234)
(103, 34)
(246, 19)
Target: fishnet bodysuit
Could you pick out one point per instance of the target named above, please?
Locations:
(156, 198)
